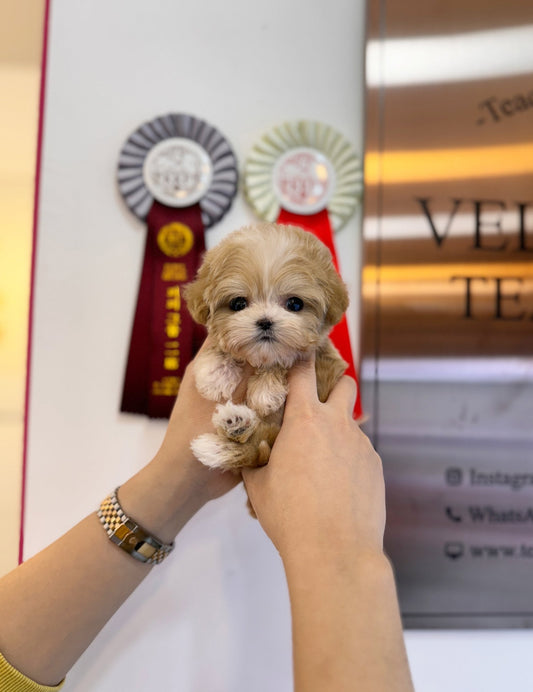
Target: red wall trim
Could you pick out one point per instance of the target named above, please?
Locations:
(32, 276)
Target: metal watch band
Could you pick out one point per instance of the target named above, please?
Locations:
(129, 535)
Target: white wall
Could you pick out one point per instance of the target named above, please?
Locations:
(214, 617)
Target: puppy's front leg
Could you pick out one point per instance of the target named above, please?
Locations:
(267, 391)
(237, 422)
(329, 369)
(217, 375)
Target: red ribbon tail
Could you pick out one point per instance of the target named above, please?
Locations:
(319, 225)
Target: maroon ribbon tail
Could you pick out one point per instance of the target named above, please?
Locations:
(164, 337)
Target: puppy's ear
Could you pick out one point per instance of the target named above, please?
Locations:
(337, 297)
(195, 297)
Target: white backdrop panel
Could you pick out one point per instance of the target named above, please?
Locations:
(215, 617)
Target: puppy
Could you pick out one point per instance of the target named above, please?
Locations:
(268, 295)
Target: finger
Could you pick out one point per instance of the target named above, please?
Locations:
(239, 395)
(344, 394)
(188, 374)
(247, 474)
(302, 383)
(249, 478)
(205, 344)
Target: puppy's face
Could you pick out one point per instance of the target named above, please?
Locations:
(267, 294)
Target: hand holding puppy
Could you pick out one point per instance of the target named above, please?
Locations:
(269, 296)
(323, 488)
(321, 500)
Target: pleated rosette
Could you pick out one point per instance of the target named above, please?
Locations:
(331, 169)
(219, 193)
(179, 174)
(307, 174)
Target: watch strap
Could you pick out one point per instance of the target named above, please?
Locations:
(129, 535)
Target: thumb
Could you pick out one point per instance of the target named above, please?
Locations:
(302, 384)
(250, 480)
(247, 474)
(250, 476)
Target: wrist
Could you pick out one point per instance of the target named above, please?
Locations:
(162, 497)
(345, 557)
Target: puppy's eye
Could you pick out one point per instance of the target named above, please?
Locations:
(294, 304)
(238, 303)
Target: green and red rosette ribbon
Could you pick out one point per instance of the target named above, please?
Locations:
(307, 174)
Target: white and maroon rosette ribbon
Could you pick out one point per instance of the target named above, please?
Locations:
(307, 174)
(179, 175)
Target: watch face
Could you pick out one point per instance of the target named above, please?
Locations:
(146, 550)
(178, 172)
(303, 180)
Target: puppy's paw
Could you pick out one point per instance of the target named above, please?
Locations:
(219, 453)
(216, 377)
(210, 450)
(236, 421)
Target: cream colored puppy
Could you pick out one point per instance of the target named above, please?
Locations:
(268, 295)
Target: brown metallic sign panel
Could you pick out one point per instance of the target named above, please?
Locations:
(449, 187)
(447, 338)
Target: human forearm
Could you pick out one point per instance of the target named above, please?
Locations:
(321, 499)
(53, 606)
(347, 632)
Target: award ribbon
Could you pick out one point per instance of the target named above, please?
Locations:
(306, 174)
(178, 174)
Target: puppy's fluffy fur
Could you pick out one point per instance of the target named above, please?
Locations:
(268, 295)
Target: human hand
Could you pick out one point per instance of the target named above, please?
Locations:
(323, 486)
(191, 417)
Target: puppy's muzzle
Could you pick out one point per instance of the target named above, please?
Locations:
(266, 331)
(265, 324)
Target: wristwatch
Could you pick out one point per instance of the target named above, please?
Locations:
(129, 535)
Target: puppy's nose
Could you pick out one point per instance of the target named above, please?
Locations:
(264, 324)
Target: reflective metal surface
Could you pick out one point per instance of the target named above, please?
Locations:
(448, 303)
